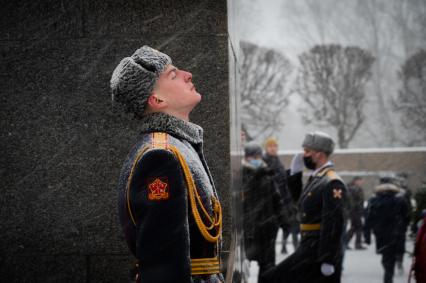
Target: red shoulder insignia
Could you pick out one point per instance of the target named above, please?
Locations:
(158, 188)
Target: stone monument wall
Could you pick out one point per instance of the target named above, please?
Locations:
(63, 143)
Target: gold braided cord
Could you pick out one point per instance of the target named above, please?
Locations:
(160, 141)
(205, 266)
(196, 261)
(192, 191)
(216, 207)
(215, 202)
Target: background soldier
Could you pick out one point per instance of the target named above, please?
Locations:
(356, 211)
(168, 206)
(262, 206)
(387, 218)
(321, 204)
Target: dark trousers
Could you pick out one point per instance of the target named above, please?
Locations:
(292, 230)
(356, 228)
(265, 237)
(301, 267)
(388, 262)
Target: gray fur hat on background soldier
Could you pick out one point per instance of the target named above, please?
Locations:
(135, 77)
(319, 141)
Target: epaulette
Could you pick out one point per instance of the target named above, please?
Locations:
(332, 175)
(160, 140)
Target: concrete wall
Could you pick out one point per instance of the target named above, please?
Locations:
(62, 143)
(375, 163)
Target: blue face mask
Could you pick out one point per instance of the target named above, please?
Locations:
(256, 162)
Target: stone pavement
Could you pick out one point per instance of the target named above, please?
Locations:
(360, 266)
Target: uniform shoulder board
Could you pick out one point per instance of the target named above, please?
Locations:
(160, 140)
(332, 175)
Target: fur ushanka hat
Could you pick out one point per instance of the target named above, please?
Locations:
(134, 78)
(319, 141)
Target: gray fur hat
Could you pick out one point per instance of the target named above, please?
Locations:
(319, 141)
(134, 78)
(252, 149)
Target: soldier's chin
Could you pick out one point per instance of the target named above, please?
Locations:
(197, 101)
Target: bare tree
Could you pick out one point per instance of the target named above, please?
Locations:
(411, 101)
(331, 80)
(264, 76)
(379, 39)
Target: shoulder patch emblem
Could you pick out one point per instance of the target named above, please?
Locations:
(158, 189)
(337, 193)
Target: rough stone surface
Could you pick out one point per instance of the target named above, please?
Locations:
(26, 268)
(63, 142)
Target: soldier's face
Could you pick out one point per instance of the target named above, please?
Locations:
(310, 152)
(313, 154)
(176, 89)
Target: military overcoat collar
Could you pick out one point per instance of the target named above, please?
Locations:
(162, 122)
(314, 179)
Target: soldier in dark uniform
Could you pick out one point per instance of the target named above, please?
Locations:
(387, 218)
(169, 209)
(356, 211)
(321, 202)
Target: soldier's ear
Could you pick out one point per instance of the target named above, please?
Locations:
(155, 102)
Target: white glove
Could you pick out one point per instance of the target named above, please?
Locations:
(327, 269)
(297, 164)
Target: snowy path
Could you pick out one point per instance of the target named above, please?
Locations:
(360, 266)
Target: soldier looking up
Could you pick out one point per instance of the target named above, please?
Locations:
(169, 209)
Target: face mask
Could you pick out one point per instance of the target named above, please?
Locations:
(309, 163)
(256, 162)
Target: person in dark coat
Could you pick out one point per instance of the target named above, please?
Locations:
(321, 205)
(169, 209)
(356, 212)
(290, 225)
(262, 206)
(386, 217)
(405, 193)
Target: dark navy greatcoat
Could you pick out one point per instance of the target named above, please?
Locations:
(166, 237)
(321, 204)
(386, 217)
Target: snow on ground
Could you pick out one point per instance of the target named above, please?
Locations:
(360, 266)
